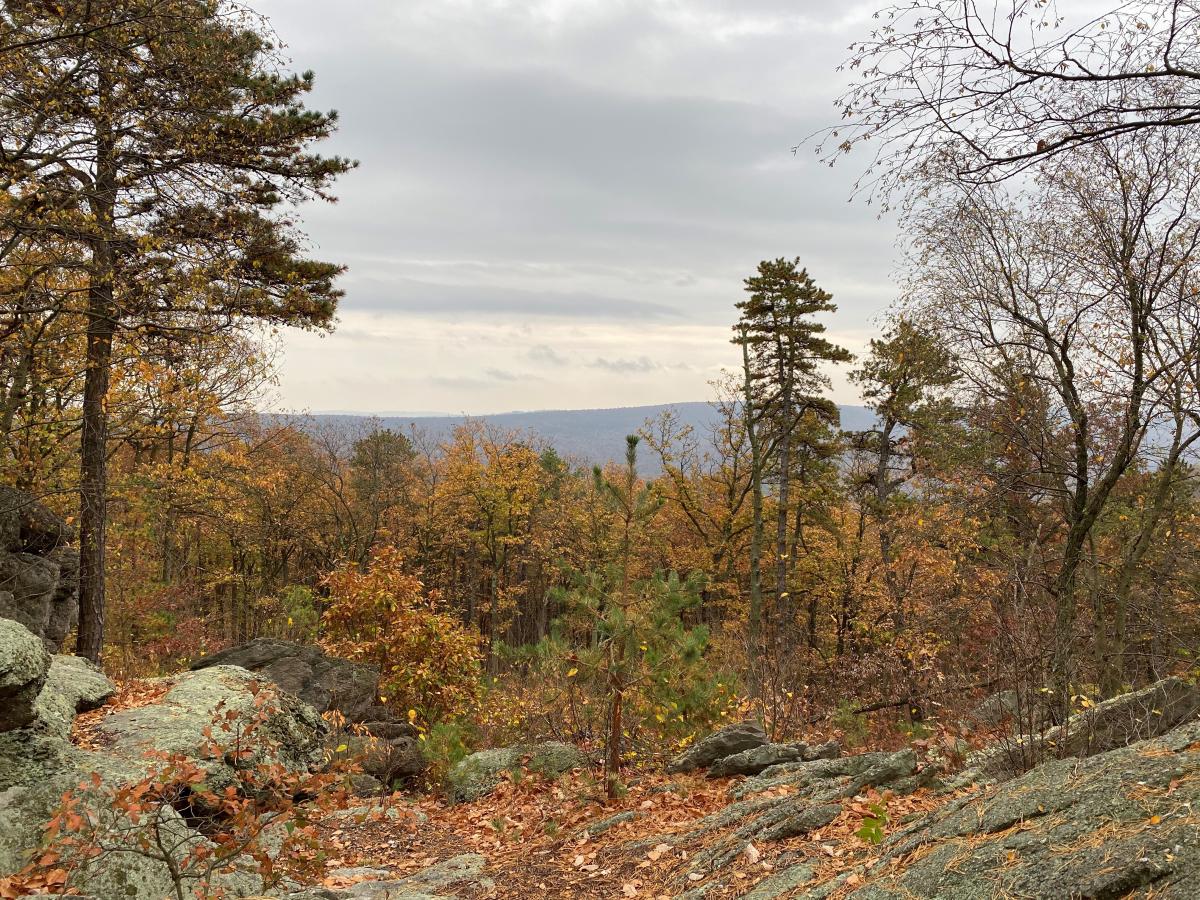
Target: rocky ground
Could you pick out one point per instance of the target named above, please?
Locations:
(734, 816)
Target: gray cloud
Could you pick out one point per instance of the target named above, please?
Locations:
(599, 163)
(373, 290)
(640, 365)
(540, 353)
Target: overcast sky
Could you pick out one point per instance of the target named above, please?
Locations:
(558, 199)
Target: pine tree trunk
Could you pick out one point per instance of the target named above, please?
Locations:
(93, 480)
(101, 326)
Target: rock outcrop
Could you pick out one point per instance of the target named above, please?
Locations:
(480, 773)
(1123, 823)
(1118, 722)
(73, 685)
(177, 722)
(39, 572)
(759, 759)
(39, 697)
(323, 682)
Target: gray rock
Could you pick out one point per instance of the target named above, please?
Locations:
(820, 788)
(64, 604)
(756, 760)
(73, 685)
(781, 883)
(729, 740)
(323, 682)
(480, 773)
(1118, 824)
(29, 527)
(30, 582)
(1112, 724)
(601, 826)
(39, 574)
(36, 769)
(759, 759)
(428, 884)
(388, 751)
(176, 723)
(24, 664)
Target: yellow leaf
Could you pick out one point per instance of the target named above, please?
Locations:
(572, 673)
(342, 748)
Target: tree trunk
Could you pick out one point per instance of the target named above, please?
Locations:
(101, 326)
(754, 617)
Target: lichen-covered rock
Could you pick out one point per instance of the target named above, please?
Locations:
(478, 774)
(73, 685)
(38, 764)
(816, 791)
(177, 722)
(759, 759)
(1118, 824)
(24, 663)
(1118, 722)
(729, 740)
(426, 884)
(323, 682)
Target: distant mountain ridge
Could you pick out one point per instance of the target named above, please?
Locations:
(591, 435)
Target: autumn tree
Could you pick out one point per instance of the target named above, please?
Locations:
(156, 144)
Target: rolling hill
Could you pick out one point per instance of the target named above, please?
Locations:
(592, 435)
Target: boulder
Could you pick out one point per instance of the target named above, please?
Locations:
(64, 604)
(28, 526)
(30, 583)
(758, 759)
(24, 664)
(387, 751)
(36, 769)
(38, 764)
(73, 685)
(177, 722)
(729, 740)
(480, 773)
(323, 682)
(39, 574)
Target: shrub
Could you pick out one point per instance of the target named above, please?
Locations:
(384, 617)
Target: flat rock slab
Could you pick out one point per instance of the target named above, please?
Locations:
(1125, 823)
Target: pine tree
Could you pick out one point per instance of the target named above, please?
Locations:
(785, 353)
(157, 142)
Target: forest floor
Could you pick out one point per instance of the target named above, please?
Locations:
(539, 836)
(535, 837)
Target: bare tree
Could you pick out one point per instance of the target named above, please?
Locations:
(1053, 300)
(985, 89)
